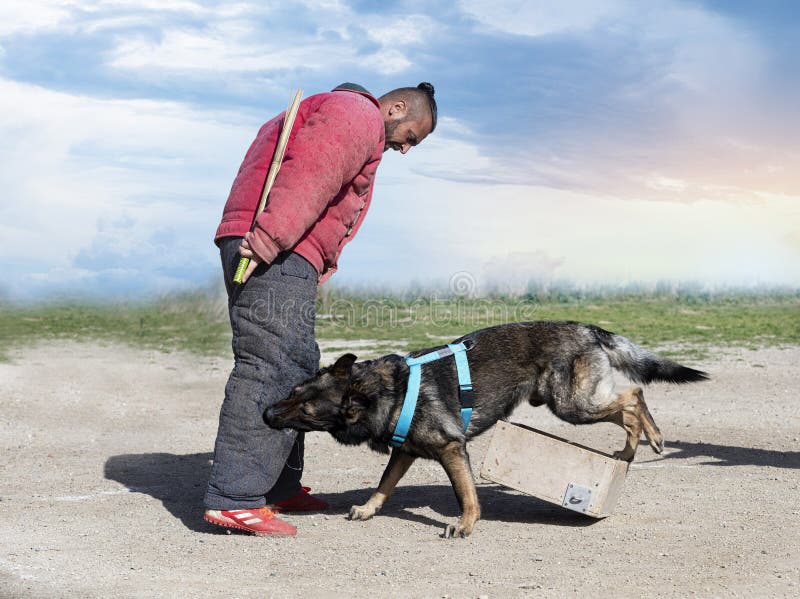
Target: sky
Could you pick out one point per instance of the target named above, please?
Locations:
(591, 141)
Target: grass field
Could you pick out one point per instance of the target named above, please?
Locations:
(677, 324)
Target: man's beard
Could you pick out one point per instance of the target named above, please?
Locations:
(389, 128)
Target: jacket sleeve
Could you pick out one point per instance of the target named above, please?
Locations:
(327, 152)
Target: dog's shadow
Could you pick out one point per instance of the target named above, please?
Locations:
(497, 504)
(179, 482)
(727, 455)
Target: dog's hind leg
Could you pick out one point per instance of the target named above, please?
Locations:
(651, 431)
(456, 463)
(630, 412)
(398, 465)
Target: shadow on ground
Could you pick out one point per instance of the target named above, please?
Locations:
(727, 455)
(179, 482)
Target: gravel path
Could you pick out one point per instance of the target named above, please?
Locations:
(106, 453)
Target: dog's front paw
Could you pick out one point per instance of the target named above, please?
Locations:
(626, 455)
(453, 531)
(362, 512)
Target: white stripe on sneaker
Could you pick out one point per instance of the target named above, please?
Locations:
(242, 515)
(252, 520)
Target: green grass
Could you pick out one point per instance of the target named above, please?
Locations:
(685, 325)
(195, 322)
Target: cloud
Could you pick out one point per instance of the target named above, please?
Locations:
(18, 16)
(136, 255)
(73, 164)
(257, 42)
(403, 31)
(157, 40)
(539, 18)
(509, 236)
(233, 48)
(668, 101)
(517, 272)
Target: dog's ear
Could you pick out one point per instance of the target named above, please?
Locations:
(341, 369)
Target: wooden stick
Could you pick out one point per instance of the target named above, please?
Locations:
(274, 167)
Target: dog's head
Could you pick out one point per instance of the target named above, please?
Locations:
(316, 404)
(338, 399)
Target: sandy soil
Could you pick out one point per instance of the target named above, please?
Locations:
(106, 451)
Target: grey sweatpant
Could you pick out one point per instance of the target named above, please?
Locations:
(272, 319)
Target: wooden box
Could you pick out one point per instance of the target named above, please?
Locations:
(540, 464)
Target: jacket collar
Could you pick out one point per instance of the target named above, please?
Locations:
(356, 88)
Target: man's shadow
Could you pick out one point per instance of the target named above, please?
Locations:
(179, 482)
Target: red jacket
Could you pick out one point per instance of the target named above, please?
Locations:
(324, 187)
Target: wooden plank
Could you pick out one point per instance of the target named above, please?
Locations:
(554, 469)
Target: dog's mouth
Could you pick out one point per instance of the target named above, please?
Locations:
(293, 418)
(276, 418)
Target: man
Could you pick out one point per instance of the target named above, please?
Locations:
(316, 205)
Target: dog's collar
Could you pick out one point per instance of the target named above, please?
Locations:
(459, 353)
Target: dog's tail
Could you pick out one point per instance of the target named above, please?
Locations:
(642, 366)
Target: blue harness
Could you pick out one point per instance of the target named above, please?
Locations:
(459, 352)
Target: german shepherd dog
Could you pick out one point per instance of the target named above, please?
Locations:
(566, 365)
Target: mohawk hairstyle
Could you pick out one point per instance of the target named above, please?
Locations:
(427, 89)
(423, 94)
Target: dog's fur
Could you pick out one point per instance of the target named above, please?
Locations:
(566, 365)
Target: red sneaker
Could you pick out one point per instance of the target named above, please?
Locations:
(260, 521)
(301, 502)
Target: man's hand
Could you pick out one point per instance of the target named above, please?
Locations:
(247, 252)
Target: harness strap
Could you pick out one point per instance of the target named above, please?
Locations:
(465, 393)
(433, 356)
(459, 352)
(409, 405)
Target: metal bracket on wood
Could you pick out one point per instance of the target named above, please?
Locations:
(577, 498)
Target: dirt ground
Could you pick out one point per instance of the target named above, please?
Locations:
(106, 451)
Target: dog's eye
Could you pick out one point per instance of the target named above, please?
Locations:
(304, 411)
